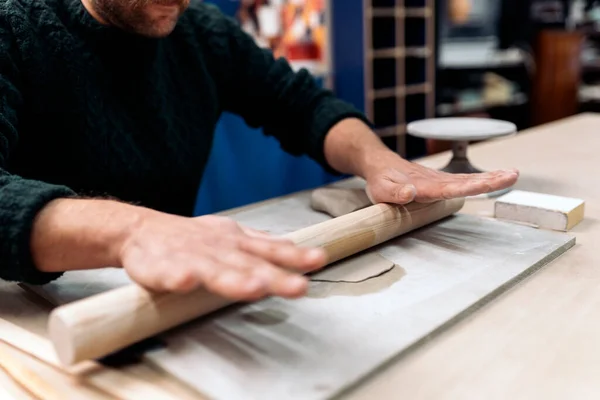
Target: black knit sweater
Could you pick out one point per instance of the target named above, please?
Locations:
(89, 110)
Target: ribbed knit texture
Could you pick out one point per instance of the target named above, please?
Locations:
(89, 110)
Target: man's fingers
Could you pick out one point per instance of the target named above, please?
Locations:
(262, 234)
(479, 183)
(214, 276)
(387, 191)
(277, 281)
(449, 186)
(287, 255)
(464, 189)
(181, 279)
(493, 181)
(237, 285)
(510, 176)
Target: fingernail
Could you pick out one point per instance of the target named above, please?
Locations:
(316, 254)
(254, 284)
(297, 283)
(410, 190)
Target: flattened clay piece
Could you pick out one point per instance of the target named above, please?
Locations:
(337, 202)
(322, 290)
(355, 269)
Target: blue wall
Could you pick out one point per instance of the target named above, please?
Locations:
(347, 20)
(245, 165)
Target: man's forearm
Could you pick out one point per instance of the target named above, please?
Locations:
(351, 147)
(81, 234)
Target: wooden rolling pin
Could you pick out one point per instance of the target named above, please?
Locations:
(102, 324)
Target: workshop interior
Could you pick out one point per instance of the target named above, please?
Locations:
(493, 296)
(527, 62)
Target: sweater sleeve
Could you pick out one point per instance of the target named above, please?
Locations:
(20, 199)
(268, 94)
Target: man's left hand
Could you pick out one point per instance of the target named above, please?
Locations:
(352, 148)
(392, 179)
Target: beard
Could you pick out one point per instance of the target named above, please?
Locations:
(152, 18)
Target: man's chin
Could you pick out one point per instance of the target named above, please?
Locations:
(159, 20)
(157, 30)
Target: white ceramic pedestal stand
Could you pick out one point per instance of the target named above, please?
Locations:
(460, 131)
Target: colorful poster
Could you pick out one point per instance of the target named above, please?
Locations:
(294, 29)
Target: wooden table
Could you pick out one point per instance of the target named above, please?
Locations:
(537, 341)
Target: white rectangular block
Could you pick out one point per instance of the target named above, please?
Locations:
(545, 211)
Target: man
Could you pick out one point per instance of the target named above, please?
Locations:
(107, 110)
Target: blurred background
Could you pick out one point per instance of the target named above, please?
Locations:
(525, 61)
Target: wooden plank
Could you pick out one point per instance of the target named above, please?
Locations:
(42, 381)
(128, 383)
(10, 390)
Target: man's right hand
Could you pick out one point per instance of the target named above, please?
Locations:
(170, 253)
(164, 252)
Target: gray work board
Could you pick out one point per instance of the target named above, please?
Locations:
(318, 346)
